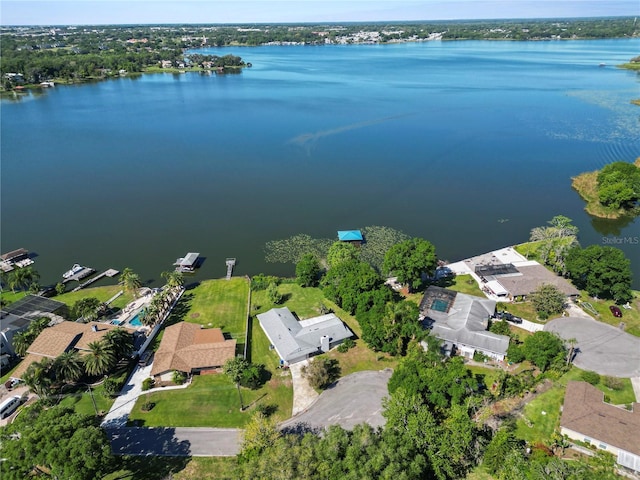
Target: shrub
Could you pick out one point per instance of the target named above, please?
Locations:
(479, 357)
(346, 345)
(613, 383)
(112, 386)
(148, 383)
(262, 281)
(179, 377)
(321, 372)
(146, 406)
(590, 377)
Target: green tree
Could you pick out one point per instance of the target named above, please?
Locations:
(55, 442)
(341, 252)
(345, 283)
(174, 279)
(39, 377)
(260, 434)
(21, 342)
(68, 366)
(101, 358)
(60, 288)
(130, 281)
(235, 369)
(120, 341)
(308, 271)
(321, 372)
(502, 443)
(542, 348)
(547, 300)
(602, 271)
(619, 185)
(23, 279)
(86, 308)
(409, 260)
(273, 294)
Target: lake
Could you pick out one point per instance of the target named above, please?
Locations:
(468, 144)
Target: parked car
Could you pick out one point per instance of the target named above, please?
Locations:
(615, 311)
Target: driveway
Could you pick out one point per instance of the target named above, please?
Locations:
(175, 442)
(354, 399)
(601, 348)
(121, 408)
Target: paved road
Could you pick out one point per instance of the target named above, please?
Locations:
(354, 399)
(176, 442)
(601, 347)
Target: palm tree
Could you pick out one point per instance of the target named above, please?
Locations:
(21, 342)
(39, 377)
(101, 358)
(572, 344)
(130, 281)
(120, 341)
(68, 366)
(173, 279)
(151, 313)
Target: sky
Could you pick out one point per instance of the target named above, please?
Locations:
(104, 12)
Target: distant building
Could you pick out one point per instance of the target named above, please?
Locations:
(461, 321)
(189, 348)
(18, 316)
(587, 418)
(298, 340)
(351, 236)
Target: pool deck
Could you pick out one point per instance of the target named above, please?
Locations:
(131, 310)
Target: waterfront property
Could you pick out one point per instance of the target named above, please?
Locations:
(295, 340)
(461, 321)
(18, 316)
(61, 338)
(189, 348)
(587, 418)
(16, 258)
(505, 275)
(188, 263)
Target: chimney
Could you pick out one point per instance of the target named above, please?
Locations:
(324, 343)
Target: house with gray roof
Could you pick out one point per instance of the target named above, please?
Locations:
(461, 321)
(296, 340)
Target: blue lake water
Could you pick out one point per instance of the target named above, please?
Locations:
(468, 144)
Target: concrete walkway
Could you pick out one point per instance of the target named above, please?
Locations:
(303, 393)
(635, 383)
(121, 408)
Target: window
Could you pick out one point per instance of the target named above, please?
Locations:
(603, 446)
(587, 440)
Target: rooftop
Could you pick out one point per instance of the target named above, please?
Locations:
(187, 346)
(585, 412)
(350, 235)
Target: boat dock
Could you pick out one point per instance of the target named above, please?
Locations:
(107, 273)
(85, 272)
(188, 263)
(231, 262)
(15, 259)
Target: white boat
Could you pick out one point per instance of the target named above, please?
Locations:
(74, 271)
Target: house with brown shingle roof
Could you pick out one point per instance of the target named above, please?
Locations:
(189, 348)
(61, 338)
(587, 418)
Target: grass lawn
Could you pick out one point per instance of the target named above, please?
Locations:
(479, 473)
(360, 358)
(521, 309)
(8, 297)
(219, 303)
(210, 401)
(542, 426)
(631, 317)
(80, 399)
(487, 375)
(539, 426)
(466, 284)
(178, 468)
(101, 293)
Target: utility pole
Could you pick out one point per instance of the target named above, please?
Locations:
(93, 400)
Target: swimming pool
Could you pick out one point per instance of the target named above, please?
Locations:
(135, 321)
(440, 305)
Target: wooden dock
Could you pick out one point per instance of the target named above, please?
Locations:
(107, 273)
(231, 262)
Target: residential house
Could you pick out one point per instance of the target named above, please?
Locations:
(461, 321)
(60, 338)
(18, 316)
(587, 418)
(297, 340)
(189, 348)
